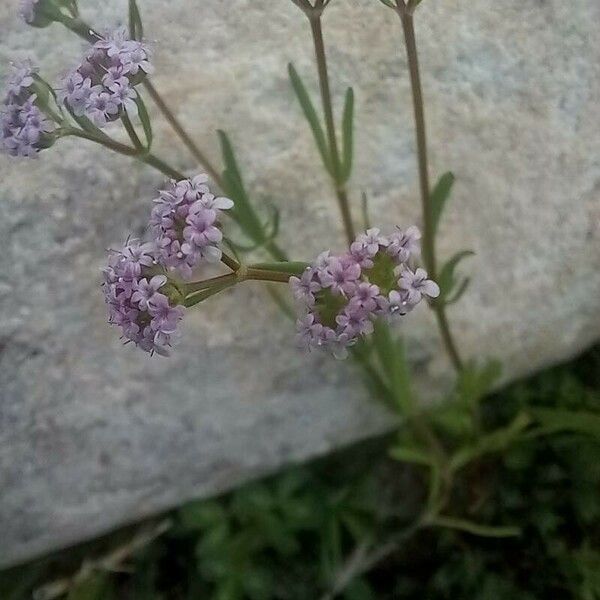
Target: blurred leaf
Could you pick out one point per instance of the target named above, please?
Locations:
(411, 455)
(393, 361)
(439, 195)
(496, 441)
(136, 29)
(312, 118)
(201, 515)
(365, 211)
(553, 420)
(475, 528)
(475, 382)
(242, 212)
(347, 136)
(145, 120)
(447, 279)
(95, 587)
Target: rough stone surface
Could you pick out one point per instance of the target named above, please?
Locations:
(93, 435)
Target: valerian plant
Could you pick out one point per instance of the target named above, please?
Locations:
(344, 303)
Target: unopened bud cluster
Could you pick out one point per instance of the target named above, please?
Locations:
(340, 296)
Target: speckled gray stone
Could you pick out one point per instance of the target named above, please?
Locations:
(94, 435)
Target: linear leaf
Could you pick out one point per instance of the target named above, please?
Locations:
(554, 420)
(393, 361)
(311, 116)
(475, 528)
(242, 212)
(439, 195)
(447, 280)
(411, 455)
(495, 441)
(136, 29)
(145, 120)
(347, 136)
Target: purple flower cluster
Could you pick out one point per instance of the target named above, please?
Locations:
(341, 296)
(24, 128)
(185, 224)
(102, 86)
(140, 298)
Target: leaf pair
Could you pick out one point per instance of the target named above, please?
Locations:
(340, 168)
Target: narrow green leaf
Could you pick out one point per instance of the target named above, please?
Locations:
(553, 420)
(475, 528)
(461, 288)
(447, 279)
(347, 136)
(311, 116)
(439, 195)
(496, 441)
(145, 120)
(365, 211)
(201, 296)
(393, 360)
(136, 29)
(411, 455)
(242, 212)
(387, 3)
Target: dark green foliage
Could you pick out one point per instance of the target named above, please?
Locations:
(287, 537)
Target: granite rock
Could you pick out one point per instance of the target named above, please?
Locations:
(94, 435)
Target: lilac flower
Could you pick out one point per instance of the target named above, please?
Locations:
(404, 244)
(340, 300)
(18, 82)
(123, 95)
(115, 74)
(397, 304)
(417, 285)
(366, 246)
(354, 321)
(366, 296)
(135, 58)
(137, 302)
(146, 290)
(305, 286)
(100, 107)
(74, 91)
(185, 224)
(164, 316)
(341, 275)
(308, 331)
(24, 128)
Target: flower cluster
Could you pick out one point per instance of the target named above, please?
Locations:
(185, 224)
(24, 128)
(141, 299)
(341, 296)
(102, 86)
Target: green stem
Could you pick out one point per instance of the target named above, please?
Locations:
(428, 226)
(198, 286)
(133, 136)
(314, 19)
(183, 135)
